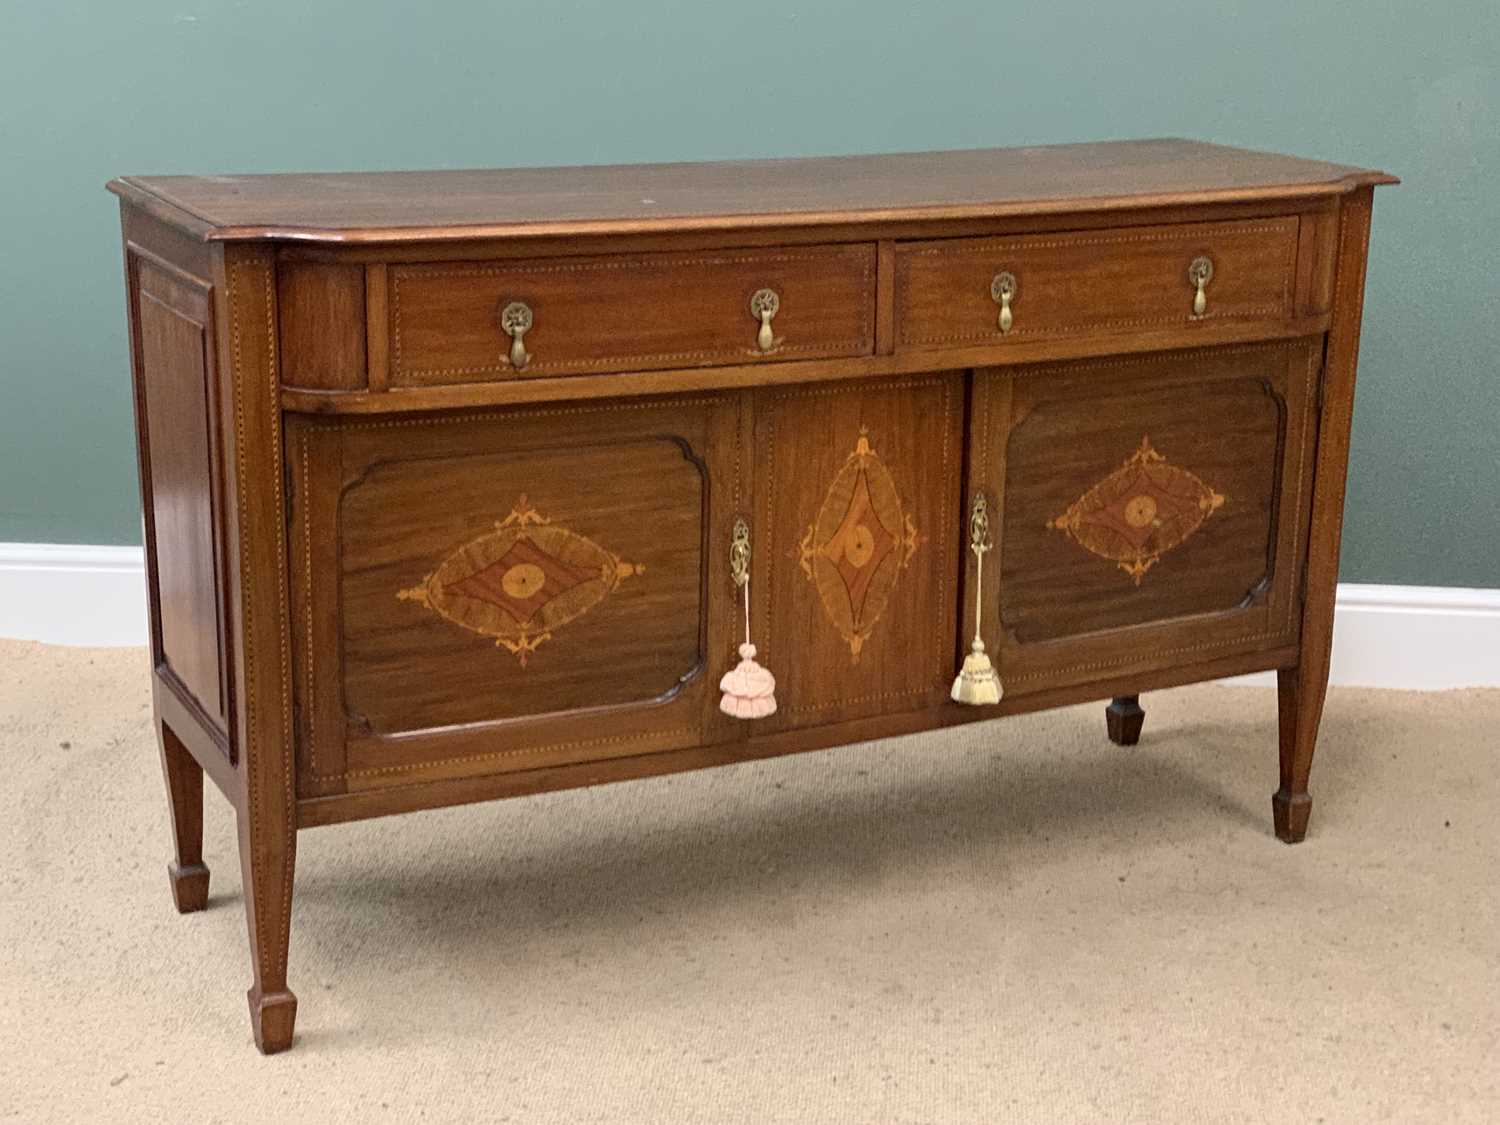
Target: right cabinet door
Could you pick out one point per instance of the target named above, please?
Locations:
(1146, 512)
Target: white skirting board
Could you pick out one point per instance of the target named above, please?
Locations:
(68, 594)
(1427, 637)
(1422, 637)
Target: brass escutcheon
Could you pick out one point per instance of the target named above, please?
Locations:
(979, 525)
(739, 553)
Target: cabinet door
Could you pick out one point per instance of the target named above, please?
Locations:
(1150, 511)
(510, 590)
(856, 568)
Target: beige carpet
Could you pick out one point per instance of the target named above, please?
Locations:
(1014, 922)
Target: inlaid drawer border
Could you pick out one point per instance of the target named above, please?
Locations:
(970, 249)
(866, 332)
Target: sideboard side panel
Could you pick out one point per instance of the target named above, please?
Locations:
(174, 367)
(175, 326)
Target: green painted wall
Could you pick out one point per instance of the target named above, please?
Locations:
(91, 90)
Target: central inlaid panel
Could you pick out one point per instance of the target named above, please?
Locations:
(859, 548)
(859, 545)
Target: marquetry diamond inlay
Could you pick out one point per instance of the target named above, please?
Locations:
(1144, 509)
(856, 549)
(522, 581)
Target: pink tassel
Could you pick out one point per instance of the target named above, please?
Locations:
(749, 690)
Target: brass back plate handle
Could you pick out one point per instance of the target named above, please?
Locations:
(515, 319)
(763, 306)
(1200, 273)
(1003, 290)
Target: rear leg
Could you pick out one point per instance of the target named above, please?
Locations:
(1123, 718)
(184, 776)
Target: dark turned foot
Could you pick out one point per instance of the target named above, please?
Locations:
(189, 886)
(272, 1018)
(1290, 811)
(1123, 718)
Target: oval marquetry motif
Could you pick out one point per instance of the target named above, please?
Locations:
(1139, 512)
(521, 581)
(861, 541)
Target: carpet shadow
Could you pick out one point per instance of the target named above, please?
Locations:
(864, 820)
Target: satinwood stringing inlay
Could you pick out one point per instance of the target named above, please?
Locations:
(521, 581)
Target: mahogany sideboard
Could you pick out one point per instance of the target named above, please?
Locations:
(461, 485)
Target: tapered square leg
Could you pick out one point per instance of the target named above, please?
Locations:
(189, 886)
(1123, 719)
(267, 859)
(1290, 813)
(186, 874)
(1302, 690)
(273, 1019)
(1299, 709)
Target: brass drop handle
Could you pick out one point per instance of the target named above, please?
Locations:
(977, 682)
(1003, 290)
(515, 319)
(1200, 273)
(763, 306)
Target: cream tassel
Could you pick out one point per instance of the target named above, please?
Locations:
(749, 690)
(978, 683)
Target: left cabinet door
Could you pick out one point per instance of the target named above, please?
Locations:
(509, 590)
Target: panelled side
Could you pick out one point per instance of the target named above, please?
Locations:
(182, 483)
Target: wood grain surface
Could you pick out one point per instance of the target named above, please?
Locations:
(1123, 280)
(971, 183)
(628, 312)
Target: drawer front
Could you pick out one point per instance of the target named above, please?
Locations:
(628, 312)
(1092, 282)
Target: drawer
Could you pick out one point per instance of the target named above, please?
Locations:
(628, 312)
(947, 292)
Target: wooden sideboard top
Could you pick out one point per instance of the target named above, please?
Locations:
(396, 207)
